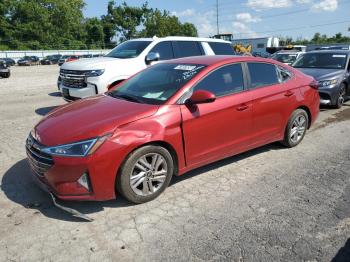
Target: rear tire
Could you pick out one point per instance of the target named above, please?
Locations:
(296, 128)
(145, 174)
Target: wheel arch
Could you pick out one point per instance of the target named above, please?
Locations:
(163, 144)
(307, 110)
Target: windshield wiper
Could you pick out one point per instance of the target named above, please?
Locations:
(126, 97)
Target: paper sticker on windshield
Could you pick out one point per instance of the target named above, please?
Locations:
(185, 67)
(342, 56)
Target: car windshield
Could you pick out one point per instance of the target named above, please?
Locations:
(285, 58)
(128, 49)
(321, 60)
(65, 56)
(156, 84)
(26, 57)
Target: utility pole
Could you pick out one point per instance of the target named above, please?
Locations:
(217, 17)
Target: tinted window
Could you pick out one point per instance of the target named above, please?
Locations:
(284, 74)
(262, 74)
(261, 46)
(285, 58)
(164, 49)
(223, 81)
(187, 48)
(128, 49)
(221, 48)
(156, 84)
(321, 60)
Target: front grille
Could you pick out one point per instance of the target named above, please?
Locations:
(73, 72)
(39, 161)
(73, 78)
(74, 82)
(325, 96)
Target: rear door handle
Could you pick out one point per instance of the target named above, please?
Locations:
(242, 107)
(288, 93)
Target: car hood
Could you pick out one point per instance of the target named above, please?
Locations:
(88, 118)
(92, 63)
(322, 74)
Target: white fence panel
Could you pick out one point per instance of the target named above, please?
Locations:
(42, 53)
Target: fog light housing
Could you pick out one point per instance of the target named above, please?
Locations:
(84, 181)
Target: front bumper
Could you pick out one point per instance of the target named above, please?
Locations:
(60, 175)
(71, 94)
(329, 96)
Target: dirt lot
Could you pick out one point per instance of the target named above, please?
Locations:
(270, 204)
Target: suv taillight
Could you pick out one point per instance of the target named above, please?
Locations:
(314, 84)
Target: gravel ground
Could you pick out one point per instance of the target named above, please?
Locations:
(269, 204)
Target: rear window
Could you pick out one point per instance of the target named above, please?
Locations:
(262, 74)
(187, 48)
(221, 48)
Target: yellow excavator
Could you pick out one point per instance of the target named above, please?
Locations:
(241, 49)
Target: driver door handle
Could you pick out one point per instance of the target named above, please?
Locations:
(288, 93)
(242, 107)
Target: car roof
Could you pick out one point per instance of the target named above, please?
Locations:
(216, 59)
(182, 38)
(330, 51)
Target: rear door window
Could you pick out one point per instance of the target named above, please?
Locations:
(187, 48)
(223, 81)
(221, 48)
(262, 74)
(164, 49)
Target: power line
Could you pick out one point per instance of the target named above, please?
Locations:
(217, 17)
(300, 27)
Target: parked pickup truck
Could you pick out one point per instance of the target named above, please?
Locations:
(88, 77)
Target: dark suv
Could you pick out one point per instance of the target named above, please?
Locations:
(4, 69)
(331, 69)
(50, 60)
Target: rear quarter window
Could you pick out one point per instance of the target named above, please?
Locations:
(221, 48)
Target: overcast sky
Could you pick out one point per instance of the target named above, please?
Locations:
(252, 18)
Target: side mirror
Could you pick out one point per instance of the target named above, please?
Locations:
(152, 57)
(201, 97)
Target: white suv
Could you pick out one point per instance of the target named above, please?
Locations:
(88, 77)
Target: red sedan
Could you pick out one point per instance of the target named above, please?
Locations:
(166, 120)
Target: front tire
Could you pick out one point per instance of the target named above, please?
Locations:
(341, 96)
(145, 174)
(296, 128)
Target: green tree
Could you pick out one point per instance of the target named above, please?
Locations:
(161, 23)
(94, 33)
(126, 19)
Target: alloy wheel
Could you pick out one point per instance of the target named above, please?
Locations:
(342, 94)
(148, 174)
(298, 129)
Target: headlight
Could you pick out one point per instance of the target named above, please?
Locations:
(78, 149)
(94, 72)
(325, 83)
